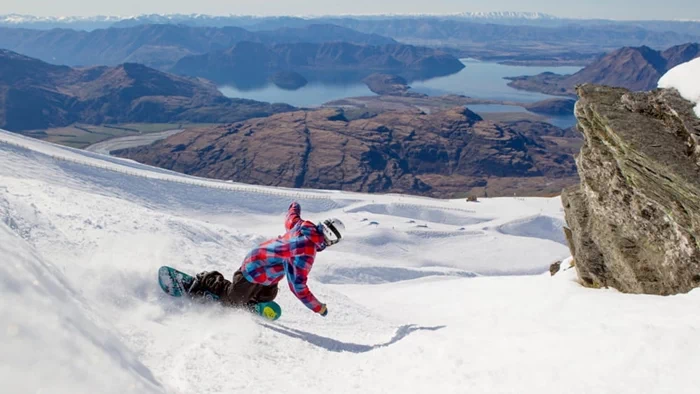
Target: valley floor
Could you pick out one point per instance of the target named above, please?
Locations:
(423, 295)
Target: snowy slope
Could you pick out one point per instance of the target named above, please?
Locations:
(686, 79)
(424, 295)
(50, 332)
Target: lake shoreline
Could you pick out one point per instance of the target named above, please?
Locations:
(479, 80)
(479, 83)
(491, 109)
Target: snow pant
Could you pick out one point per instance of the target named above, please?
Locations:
(238, 292)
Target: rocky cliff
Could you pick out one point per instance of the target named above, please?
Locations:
(634, 221)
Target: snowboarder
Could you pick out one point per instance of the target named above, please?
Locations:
(291, 254)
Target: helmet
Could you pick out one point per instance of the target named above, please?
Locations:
(332, 229)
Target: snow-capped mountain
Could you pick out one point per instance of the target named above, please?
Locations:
(272, 22)
(51, 22)
(423, 295)
(21, 19)
(507, 15)
(16, 19)
(101, 21)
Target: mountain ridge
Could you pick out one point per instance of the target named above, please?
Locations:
(16, 19)
(249, 60)
(38, 95)
(159, 45)
(500, 38)
(634, 68)
(441, 154)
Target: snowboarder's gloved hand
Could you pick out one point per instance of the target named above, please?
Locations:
(324, 311)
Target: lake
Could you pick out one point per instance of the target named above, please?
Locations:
(485, 80)
(563, 121)
(311, 95)
(478, 79)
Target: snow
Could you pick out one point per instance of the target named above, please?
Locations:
(48, 332)
(436, 296)
(508, 15)
(686, 79)
(17, 19)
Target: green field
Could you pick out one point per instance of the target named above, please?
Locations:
(81, 136)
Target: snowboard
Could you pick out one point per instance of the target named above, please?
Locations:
(176, 283)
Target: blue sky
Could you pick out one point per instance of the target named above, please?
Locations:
(611, 9)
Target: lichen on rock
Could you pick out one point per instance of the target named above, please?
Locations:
(633, 223)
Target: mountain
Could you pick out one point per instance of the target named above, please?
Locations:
(498, 36)
(53, 22)
(250, 61)
(632, 68)
(159, 45)
(468, 34)
(681, 54)
(101, 21)
(499, 15)
(38, 95)
(440, 154)
(505, 19)
(250, 22)
(320, 33)
(526, 38)
(509, 18)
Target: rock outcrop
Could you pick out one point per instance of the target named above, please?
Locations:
(449, 153)
(555, 107)
(634, 221)
(289, 80)
(390, 85)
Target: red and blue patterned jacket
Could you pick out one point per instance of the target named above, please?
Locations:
(292, 254)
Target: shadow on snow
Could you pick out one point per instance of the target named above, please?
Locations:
(334, 345)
